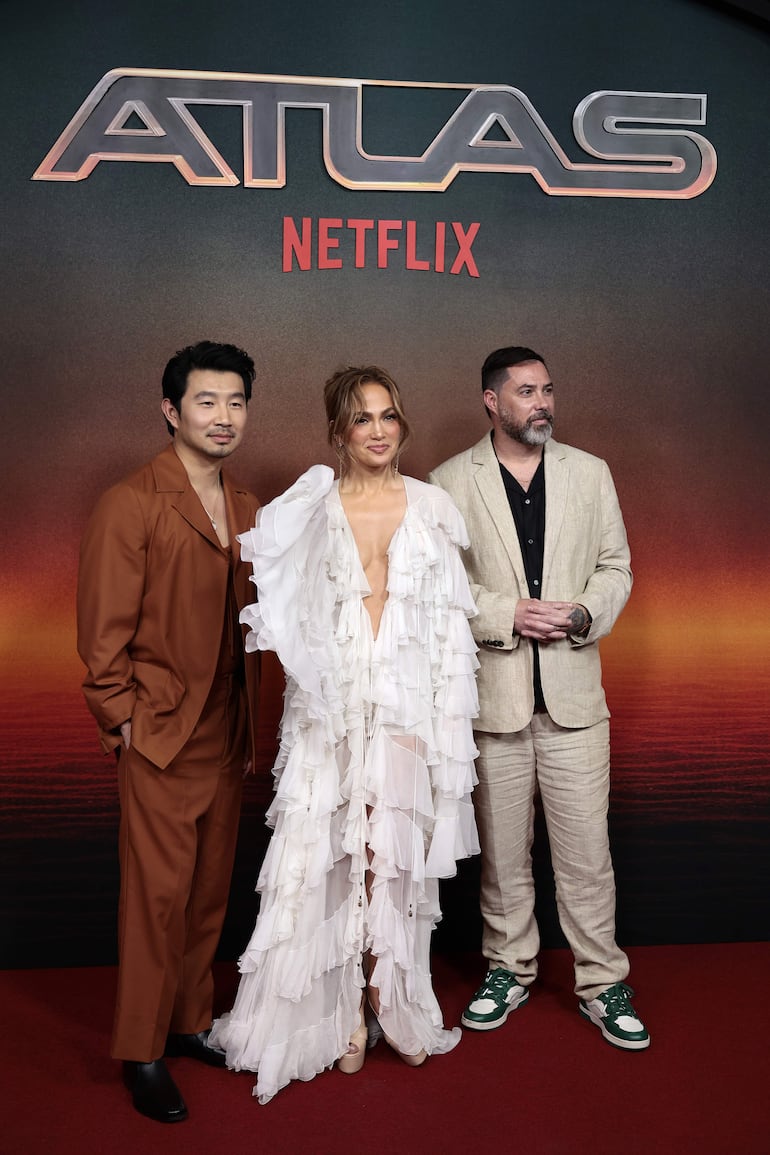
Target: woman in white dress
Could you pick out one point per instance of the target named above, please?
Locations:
(362, 594)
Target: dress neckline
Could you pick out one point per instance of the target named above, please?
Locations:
(364, 586)
(336, 491)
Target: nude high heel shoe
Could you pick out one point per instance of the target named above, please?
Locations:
(410, 1060)
(352, 1062)
(376, 1032)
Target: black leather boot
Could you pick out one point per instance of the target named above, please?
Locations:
(195, 1047)
(154, 1092)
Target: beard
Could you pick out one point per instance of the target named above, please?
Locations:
(525, 431)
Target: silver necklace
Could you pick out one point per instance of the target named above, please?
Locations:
(208, 515)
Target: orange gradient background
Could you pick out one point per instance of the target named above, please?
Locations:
(652, 316)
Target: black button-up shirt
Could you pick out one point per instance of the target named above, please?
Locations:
(528, 511)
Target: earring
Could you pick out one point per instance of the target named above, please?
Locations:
(339, 449)
(395, 463)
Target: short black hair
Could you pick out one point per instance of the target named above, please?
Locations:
(495, 368)
(205, 355)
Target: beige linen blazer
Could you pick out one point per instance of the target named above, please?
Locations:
(586, 559)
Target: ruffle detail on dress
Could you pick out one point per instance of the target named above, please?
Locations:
(286, 1039)
(374, 775)
(399, 938)
(285, 548)
(322, 948)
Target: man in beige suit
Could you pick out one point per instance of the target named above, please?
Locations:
(160, 587)
(550, 571)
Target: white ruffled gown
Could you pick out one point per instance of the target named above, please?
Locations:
(376, 751)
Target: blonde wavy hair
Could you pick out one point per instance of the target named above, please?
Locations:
(344, 401)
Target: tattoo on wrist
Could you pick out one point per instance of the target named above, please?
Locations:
(579, 619)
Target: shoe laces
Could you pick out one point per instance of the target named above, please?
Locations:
(616, 1000)
(497, 983)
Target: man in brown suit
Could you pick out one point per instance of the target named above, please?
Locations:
(549, 568)
(160, 588)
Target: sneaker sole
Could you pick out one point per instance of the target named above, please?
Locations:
(623, 1044)
(473, 1025)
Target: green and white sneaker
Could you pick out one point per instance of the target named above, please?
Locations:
(612, 1012)
(499, 994)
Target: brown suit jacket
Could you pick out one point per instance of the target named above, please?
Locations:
(152, 588)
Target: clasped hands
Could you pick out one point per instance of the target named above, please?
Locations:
(549, 621)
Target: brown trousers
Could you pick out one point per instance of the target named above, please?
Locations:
(178, 832)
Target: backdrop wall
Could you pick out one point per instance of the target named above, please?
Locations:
(650, 310)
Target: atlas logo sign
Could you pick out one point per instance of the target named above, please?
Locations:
(636, 142)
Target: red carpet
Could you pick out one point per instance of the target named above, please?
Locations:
(544, 1083)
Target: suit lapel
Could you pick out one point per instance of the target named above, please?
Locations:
(171, 477)
(191, 509)
(556, 491)
(492, 492)
(239, 517)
